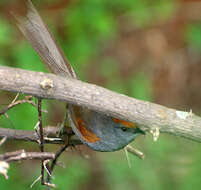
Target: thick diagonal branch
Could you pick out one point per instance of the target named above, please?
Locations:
(148, 116)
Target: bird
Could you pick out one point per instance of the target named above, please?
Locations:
(98, 131)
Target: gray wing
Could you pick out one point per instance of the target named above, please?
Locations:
(37, 33)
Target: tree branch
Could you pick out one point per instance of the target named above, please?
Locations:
(50, 135)
(27, 99)
(148, 116)
(20, 155)
(23, 155)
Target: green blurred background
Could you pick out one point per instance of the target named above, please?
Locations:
(150, 50)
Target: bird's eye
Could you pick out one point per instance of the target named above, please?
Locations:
(123, 129)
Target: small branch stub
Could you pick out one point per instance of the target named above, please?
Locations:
(135, 152)
(155, 132)
(46, 84)
(184, 115)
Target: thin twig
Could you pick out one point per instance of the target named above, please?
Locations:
(16, 97)
(23, 155)
(135, 151)
(54, 161)
(46, 164)
(35, 181)
(50, 135)
(41, 137)
(127, 157)
(15, 103)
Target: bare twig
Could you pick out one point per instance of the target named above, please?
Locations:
(35, 181)
(127, 157)
(23, 155)
(54, 161)
(135, 151)
(16, 97)
(15, 103)
(146, 115)
(46, 166)
(50, 135)
(20, 155)
(41, 138)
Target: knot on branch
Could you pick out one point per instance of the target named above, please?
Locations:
(47, 84)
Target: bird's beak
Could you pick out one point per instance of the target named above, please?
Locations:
(140, 131)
